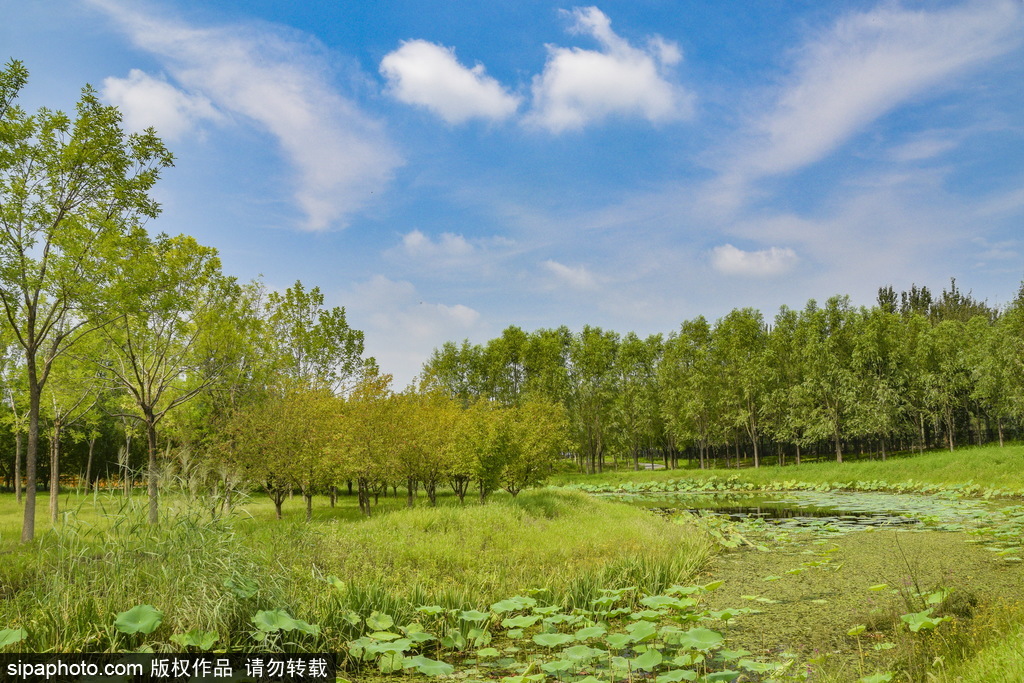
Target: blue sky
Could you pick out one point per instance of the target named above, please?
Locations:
(446, 169)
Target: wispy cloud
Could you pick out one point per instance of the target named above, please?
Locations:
(146, 101)
(429, 75)
(731, 260)
(272, 78)
(574, 277)
(865, 66)
(579, 87)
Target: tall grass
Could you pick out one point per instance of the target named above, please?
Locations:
(66, 589)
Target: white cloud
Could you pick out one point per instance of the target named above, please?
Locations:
(575, 277)
(429, 75)
(340, 155)
(730, 260)
(580, 86)
(400, 328)
(865, 66)
(145, 101)
(447, 248)
(923, 148)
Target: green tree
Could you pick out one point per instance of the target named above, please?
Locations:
(71, 190)
(175, 336)
(740, 343)
(690, 387)
(314, 345)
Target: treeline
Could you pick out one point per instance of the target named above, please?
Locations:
(914, 371)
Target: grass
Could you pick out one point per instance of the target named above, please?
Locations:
(66, 588)
(989, 467)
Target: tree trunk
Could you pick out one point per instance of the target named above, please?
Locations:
(334, 495)
(797, 452)
(28, 528)
(55, 473)
(410, 489)
(154, 513)
(999, 426)
(308, 495)
(839, 448)
(17, 464)
(88, 464)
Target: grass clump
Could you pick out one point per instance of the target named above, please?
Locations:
(561, 543)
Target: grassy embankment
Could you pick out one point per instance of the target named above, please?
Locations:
(988, 467)
(65, 589)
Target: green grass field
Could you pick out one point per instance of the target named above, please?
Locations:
(214, 574)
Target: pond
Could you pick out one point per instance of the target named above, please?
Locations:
(814, 509)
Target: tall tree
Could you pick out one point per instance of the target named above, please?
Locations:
(175, 335)
(315, 346)
(70, 191)
(740, 342)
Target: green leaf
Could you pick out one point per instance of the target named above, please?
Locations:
(885, 677)
(701, 639)
(378, 621)
(429, 667)
(520, 621)
(10, 636)
(473, 615)
(203, 640)
(677, 675)
(241, 587)
(552, 639)
(590, 632)
(139, 619)
(648, 661)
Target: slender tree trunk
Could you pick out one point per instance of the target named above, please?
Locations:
(154, 512)
(308, 495)
(17, 465)
(999, 426)
(334, 495)
(410, 489)
(797, 452)
(28, 528)
(88, 464)
(55, 473)
(839, 448)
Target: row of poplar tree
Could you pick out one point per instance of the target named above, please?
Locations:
(912, 371)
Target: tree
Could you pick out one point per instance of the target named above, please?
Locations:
(635, 406)
(740, 343)
(71, 191)
(830, 381)
(174, 337)
(691, 388)
(315, 346)
(537, 434)
(592, 386)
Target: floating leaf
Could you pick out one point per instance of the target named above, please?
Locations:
(648, 661)
(677, 675)
(473, 615)
(429, 667)
(203, 640)
(552, 639)
(701, 639)
(590, 632)
(139, 619)
(378, 621)
(10, 636)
